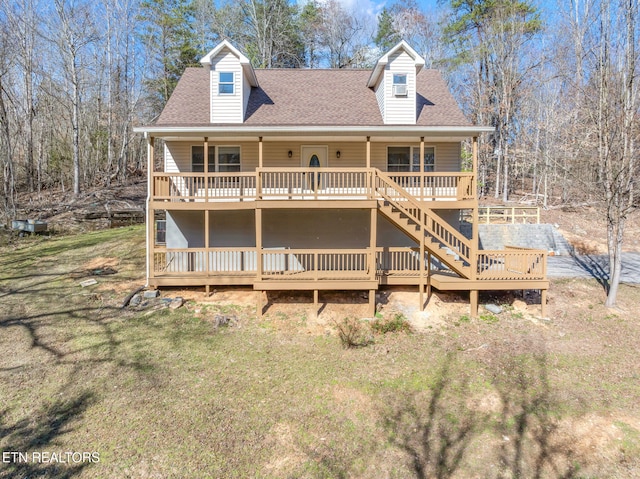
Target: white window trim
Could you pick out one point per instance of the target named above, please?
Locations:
(232, 83)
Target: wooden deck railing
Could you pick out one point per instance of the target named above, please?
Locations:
(305, 184)
(436, 186)
(333, 264)
(504, 215)
(317, 264)
(435, 226)
(512, 263)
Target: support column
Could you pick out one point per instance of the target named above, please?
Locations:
(422, 278)
(428, 276)
(258, 244)
(150, 211)
(260, 152)
(206, 168)
(473, 256)
(372, 302)
(373, 243)
(368, 152)
(543, 303)
(473, 296)
(258, 226)
(422, 183)
(207, 244)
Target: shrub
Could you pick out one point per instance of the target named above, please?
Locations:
(398, 324)
(353, 333)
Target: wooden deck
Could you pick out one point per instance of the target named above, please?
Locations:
(405, 199)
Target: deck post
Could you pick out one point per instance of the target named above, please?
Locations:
(372, 302)
(422, 269)
(258, 244)
(373, 235)
(259, 304)
(543, 303)
(206, 169)
(473, 296)
(150, 211)
(368, 152)
(428, 276)
(422, 179)
(207, 242)
(260, 152)
(473, 253)
(315, 300)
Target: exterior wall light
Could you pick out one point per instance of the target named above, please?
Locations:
(338, 154)
(290, 154)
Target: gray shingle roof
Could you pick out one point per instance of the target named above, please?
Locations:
(290, 97)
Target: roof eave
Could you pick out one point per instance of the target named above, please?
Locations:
(297, 130)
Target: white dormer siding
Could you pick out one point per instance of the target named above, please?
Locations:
(400, 110)
(380, 96)
(226, 107)
(397, 109)
(229, 105)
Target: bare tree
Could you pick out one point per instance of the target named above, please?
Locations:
(616, 126)
(8, 174)
(75, 33)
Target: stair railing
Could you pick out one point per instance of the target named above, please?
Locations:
(409, 206)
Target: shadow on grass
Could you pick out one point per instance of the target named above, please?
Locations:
(441, 430)
(436, 431)
(39, 433)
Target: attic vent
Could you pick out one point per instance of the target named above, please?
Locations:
(399, 90)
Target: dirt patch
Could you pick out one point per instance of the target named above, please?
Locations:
(585, 228)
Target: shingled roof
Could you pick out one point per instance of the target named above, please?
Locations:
(291, 97)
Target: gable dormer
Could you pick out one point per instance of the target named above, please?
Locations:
(231, 78)
(394, 81)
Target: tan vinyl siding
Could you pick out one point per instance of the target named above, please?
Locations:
(400, 110)
(352, 154)
(177, 157)
(226, 108)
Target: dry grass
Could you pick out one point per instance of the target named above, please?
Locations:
(166, 394)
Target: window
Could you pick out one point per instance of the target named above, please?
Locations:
(161, 232)
(221, 158)
(197, 159)
(400, 84)
(226, 83)
(399, 79)
(228, 158)
(398, 158)
(429, 159)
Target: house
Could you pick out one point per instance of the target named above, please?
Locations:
(296, 179)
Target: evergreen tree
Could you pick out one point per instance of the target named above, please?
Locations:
(386, 36)
(170, 40)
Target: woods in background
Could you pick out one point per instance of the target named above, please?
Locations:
(559, 84)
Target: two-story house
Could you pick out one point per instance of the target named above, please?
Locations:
(296, 179)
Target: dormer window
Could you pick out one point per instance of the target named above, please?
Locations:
(400, 84)
(226, 83)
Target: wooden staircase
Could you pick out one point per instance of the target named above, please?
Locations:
(422, 224)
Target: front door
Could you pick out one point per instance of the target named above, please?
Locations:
(314, 157)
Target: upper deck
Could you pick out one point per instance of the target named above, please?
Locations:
(190, 190)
